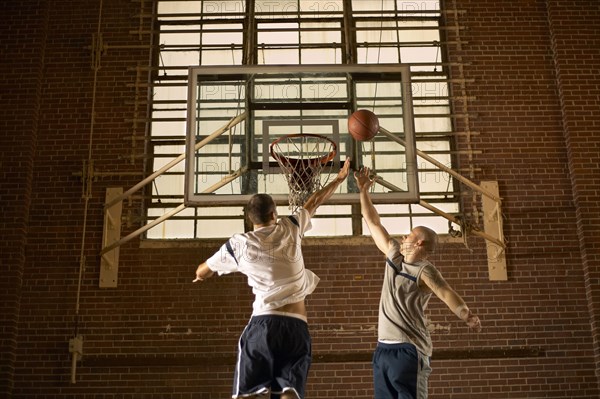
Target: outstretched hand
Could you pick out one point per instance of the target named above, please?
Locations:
(473, 322)
(363, 179)
(343, 173)
(202, 273)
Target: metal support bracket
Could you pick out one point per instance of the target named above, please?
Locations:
(76, 351)
(98, 49)
(109, 261)
(492, 225)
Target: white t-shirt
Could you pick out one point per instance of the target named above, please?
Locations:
(271, 258)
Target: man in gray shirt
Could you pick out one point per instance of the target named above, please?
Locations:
(401, 360)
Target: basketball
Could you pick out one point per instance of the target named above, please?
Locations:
(363, 125)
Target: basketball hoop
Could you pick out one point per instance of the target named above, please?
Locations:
(303, 158)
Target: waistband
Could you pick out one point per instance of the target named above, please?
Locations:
(278, 313)
(393, 345)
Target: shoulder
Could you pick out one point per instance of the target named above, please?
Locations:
(300, 219)
(393, 252)
(429, 275)
(301, 215)
(289, 222)
(295, 220)
(237, 238)
(427, 268)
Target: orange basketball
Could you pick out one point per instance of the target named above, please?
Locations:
(363, 125)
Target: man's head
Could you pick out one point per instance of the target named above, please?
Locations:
(429, 238)
(261, 209)
(419, 244)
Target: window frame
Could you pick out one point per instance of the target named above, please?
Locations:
(249, 53)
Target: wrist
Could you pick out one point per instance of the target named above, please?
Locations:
(462, 311)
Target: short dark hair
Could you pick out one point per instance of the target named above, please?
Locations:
(429, 237)
(259, 208)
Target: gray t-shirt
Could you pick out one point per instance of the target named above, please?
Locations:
(403, 303)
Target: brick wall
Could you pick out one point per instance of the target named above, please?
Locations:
(21, 71)
(158, 336)
(574, 52)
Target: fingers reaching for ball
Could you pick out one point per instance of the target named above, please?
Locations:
(363, 178)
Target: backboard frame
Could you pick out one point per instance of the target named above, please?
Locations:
(197, 74)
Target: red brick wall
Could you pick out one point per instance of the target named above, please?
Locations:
(575, 53)
(21, 71)
(158, 336)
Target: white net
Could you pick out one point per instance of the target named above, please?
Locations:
(306, 162)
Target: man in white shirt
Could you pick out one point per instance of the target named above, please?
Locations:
(274, 351)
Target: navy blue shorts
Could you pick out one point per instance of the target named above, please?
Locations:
(274, 354)
(400, 372)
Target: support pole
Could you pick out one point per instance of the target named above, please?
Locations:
(232, 122)
(227, 179)
(439, 212)
(443, 167)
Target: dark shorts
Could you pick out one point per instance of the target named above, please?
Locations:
(400, 372)
(274, 354)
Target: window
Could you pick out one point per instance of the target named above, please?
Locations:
(300, 32)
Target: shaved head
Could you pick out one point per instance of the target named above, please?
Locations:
(429, 237)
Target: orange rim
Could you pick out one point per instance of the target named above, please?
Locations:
(323, 160)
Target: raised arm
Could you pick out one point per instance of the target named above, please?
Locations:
(318, 198)
(432, 278)
(380, 235)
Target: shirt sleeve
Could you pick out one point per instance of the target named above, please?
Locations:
(431, 271)
(394, 254)
(224, 261)
(302, 216)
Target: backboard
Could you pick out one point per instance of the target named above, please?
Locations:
(235, 112)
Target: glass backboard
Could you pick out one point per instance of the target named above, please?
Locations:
(235, 112)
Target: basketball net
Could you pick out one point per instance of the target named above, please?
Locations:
(303, 159)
